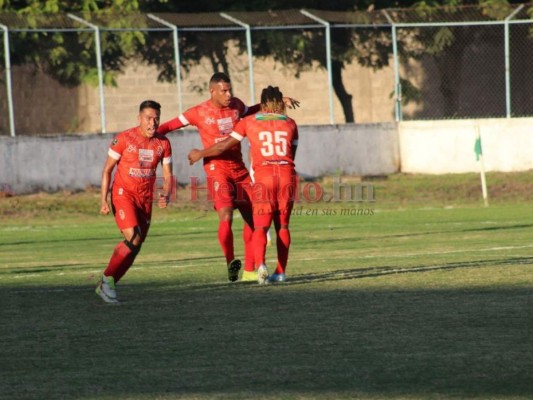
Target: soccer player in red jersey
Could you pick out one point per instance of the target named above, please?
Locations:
(136, 154)
(273, 138)
(228, 181)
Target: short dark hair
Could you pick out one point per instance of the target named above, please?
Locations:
(219, 77)
(150, 104)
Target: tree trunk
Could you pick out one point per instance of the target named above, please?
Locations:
(344, 97)
(450, 63)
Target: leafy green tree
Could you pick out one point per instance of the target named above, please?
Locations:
(305, 49)
(447, 45)
(70, 57)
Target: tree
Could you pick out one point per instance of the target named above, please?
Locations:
(70, 58)
(67, 62)
(447, 45)
(305, 49)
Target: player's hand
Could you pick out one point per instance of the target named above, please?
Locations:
(163, 200)
(290, 102)
(104, 208)
(194, 155)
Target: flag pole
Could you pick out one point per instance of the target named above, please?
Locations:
(479, 157)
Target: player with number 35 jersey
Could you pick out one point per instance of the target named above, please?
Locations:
(273, 138)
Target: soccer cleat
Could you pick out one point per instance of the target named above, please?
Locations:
(248, 276)
(277, 278)
(262, 274)
(233, 270)
(106, 289)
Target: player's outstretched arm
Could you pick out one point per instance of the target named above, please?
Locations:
(291, 103)
(170, 126)
(212, 151)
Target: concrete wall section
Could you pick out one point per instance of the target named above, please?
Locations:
(348, 149)
(439, 147)
(30, 164)
(34, 163)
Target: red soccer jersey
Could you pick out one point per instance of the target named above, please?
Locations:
(272, 138)
(138, 157)
(214, 124)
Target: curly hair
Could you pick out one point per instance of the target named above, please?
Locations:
(272, 100)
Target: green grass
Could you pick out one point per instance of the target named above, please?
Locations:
(430, 297)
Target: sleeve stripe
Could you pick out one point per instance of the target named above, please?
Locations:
(183, 120)
(237, 136)
(167, 160)
(113, 154)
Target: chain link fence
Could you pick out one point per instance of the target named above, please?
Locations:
(87, 73)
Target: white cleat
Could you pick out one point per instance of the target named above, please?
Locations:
(106, 290)
(262, 274)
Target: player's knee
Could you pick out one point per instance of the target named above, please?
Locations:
(225, 215)
(134, 243)
(134, 247)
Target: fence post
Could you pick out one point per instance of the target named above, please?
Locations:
(177, 59)
(397, 84)
(250, 53)
(98, 65)
(508, 63)
(9, 84)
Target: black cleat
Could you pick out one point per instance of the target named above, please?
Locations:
(233, 270)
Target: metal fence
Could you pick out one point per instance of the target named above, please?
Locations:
(439, 63)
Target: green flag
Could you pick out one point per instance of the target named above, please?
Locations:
(477, 148)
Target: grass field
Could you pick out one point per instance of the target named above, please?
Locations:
(428, 296)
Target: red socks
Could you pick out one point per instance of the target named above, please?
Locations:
(247, 236)
(283, 242)
(121, 260)
(259, 244)
(225, 238)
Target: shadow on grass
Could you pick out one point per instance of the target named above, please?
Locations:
(486, 229)
(57, 268)
(369, 272)
(100, 238)
(285, 341)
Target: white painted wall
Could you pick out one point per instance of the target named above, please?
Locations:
(431, 147)
(32, 163)
(439, 147)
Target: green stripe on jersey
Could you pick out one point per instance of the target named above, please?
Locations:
(270, 117)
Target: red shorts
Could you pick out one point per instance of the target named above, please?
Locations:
(228, 187)
(130, 210)
(274, 191)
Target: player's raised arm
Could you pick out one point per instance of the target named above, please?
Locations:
(212, 151)
(288, 101)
